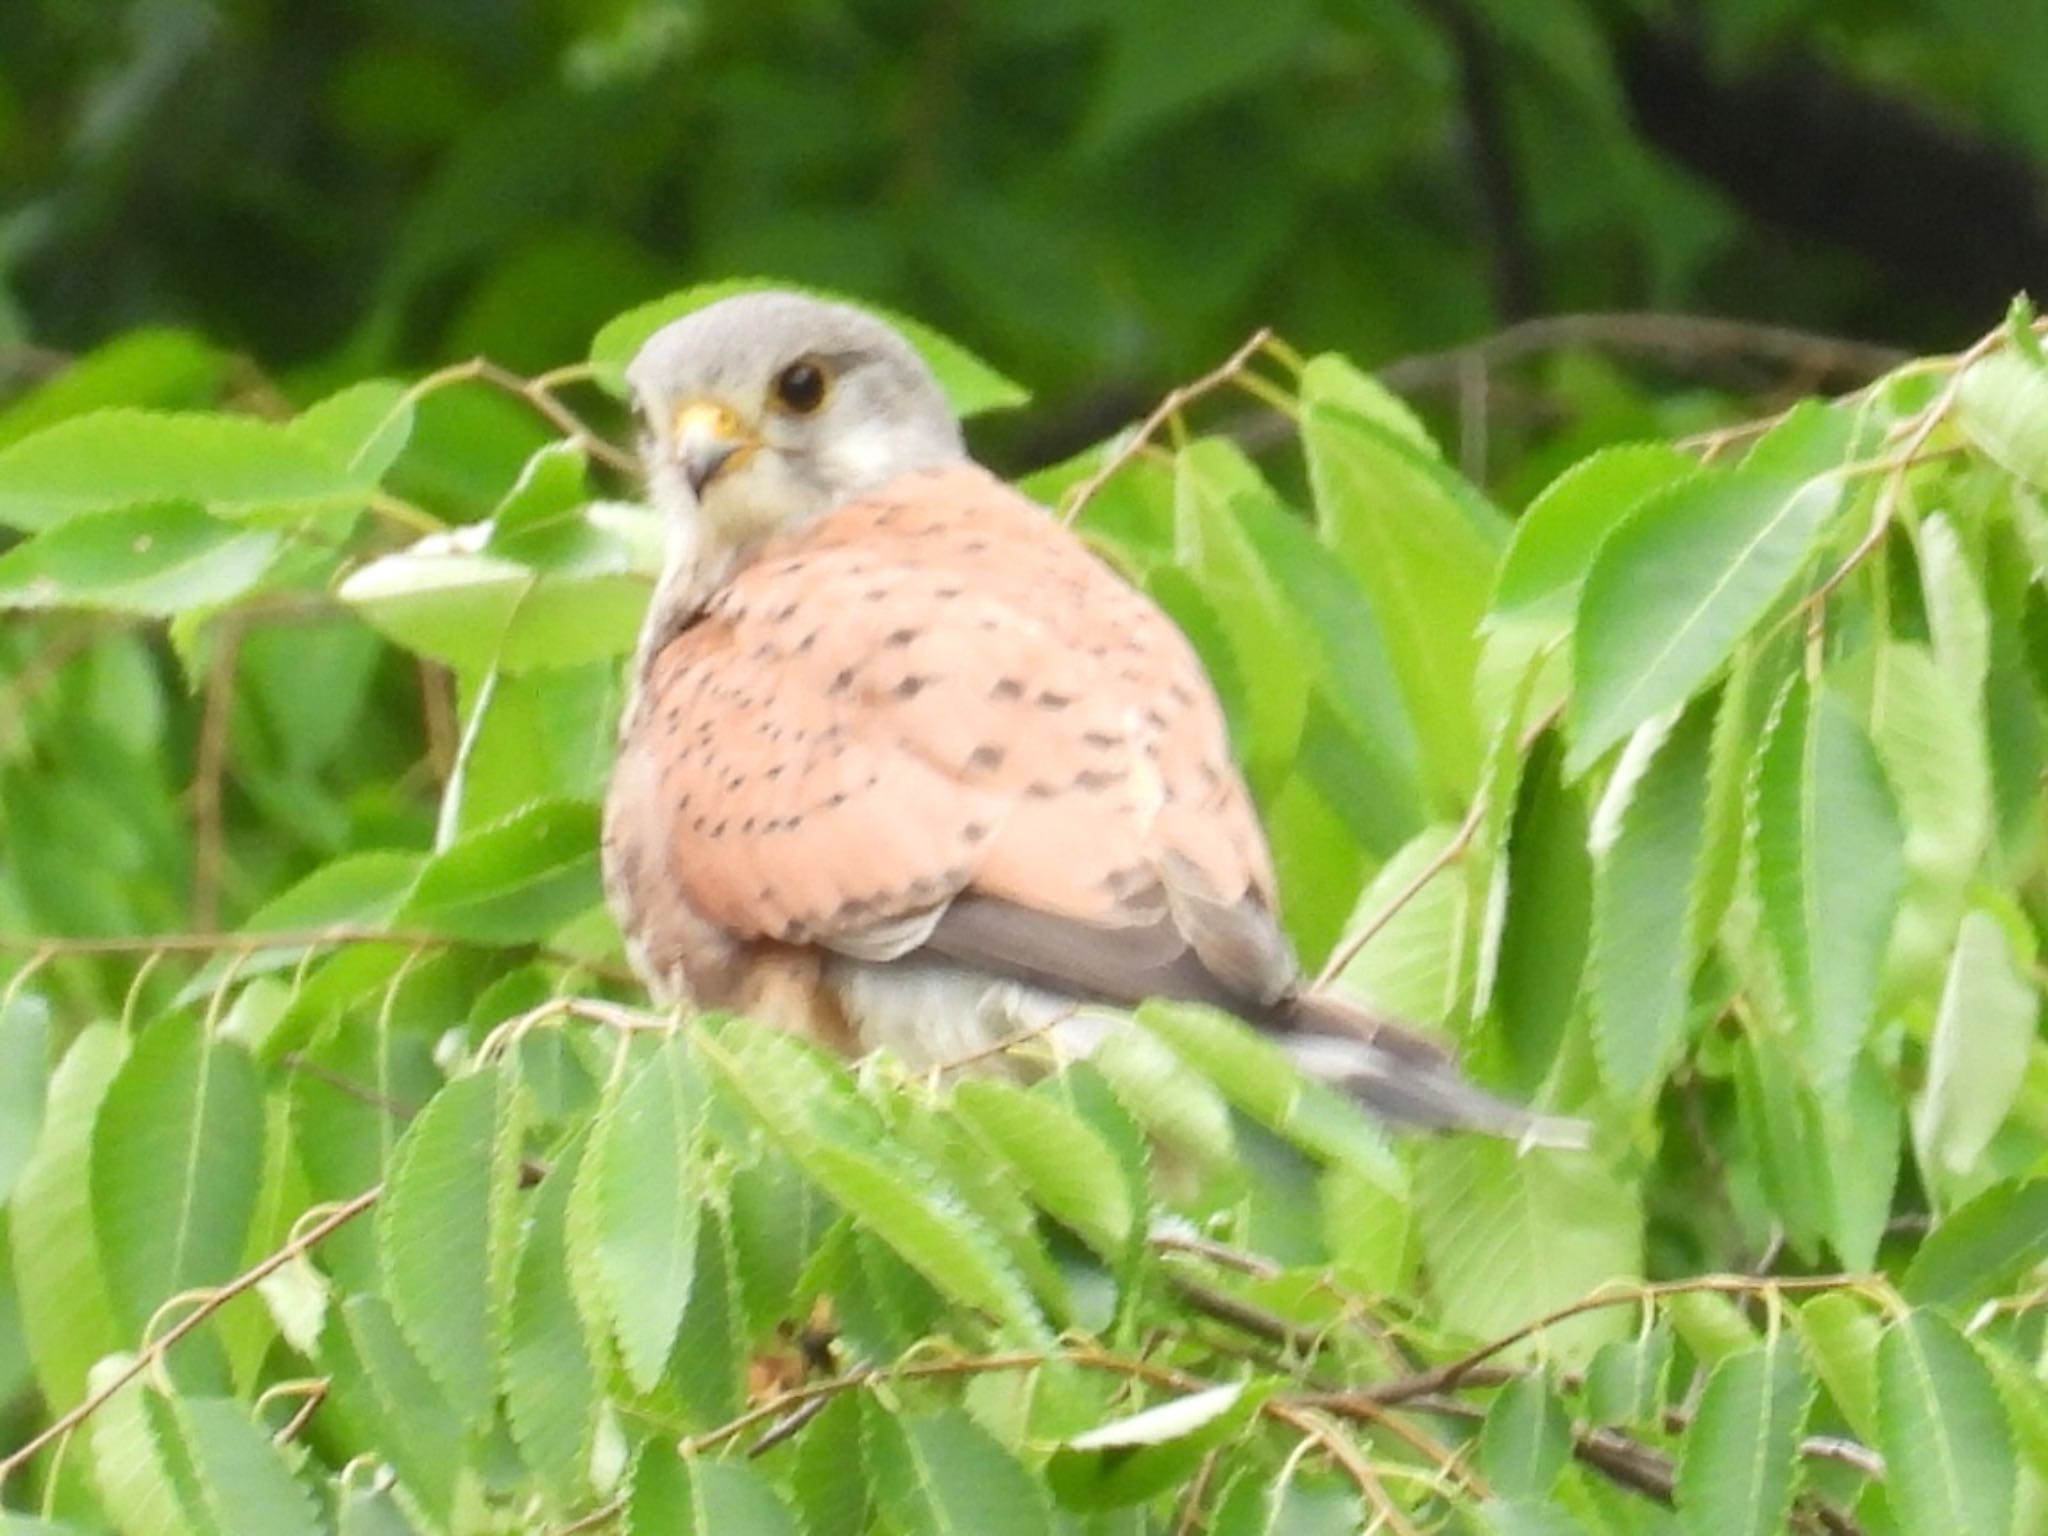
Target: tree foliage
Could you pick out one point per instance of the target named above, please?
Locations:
(1700, 798)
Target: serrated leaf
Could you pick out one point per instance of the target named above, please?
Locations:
(419, 1432)
(811, 1111)
(1841, 1335)
(1558, 533)
(1544, 936)
(364, 426)
(1948, 1453)
(1510, 1236)
(640, 1195)
(551, 1383)
(828, 1483)
(971, 386)
(1736, 1475)
(1424, 546)
(1066, 1167)
(688, 1496)
(2002, 406)
(1984, 1032)
(157, 559)
(176, 1166)
(162, 368)
(1258, 1078)
(1625, 1382)
(67, 1319)
(245, 1487)
(24, 1082)
(1982, 1247)
(942, 1474)
(140, 1474)
(1672, 591)
(230, 465)
(1526, 1439)
(514, 881)
(1646, 884)
(1829, 869)
(1257, 1504)
(440, 1232)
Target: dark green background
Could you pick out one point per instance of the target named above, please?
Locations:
(1100, 195)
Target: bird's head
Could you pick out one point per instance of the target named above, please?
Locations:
(765, 410)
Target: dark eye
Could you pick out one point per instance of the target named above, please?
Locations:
(800, 388)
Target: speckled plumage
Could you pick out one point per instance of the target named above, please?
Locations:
(906, 764)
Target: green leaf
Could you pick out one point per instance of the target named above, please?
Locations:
(67, 1320)
(1646, 885)
(24, 1081)
(416, 1429)
(157, 559)
(1511, 1236)
(551, 1383)
(1064, 1165)
(1544, 936)
(246, 1488)
(1557, 536)
(1984, 1032)
(364, 426)
(636, 1207)
(1841, 1334)
(441, 1229)
(1258, 1077)
(514, 881)
(1982, 1248)
(1526, 1439)
(1829, 868)
(942, 1474)
(2002, 407)
(164, 368)
(1736, 1475)
(810, 1109)
(176, 1166)
(143, 1475)
(1256, 1504)
(1948, 1451)
(1625, 1382)
(1672, 591)
(1423, 546)
(971, 386)
(675, 1495)
(229, 465)
(1128, 1460)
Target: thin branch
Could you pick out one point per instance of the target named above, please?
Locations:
(1448, 1377)
(148, 1357)
(209, 773)
(1177, 400)
(1676, 338)
(538, 393)
(1348, 951)
(1347, 1456)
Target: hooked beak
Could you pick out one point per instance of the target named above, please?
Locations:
(708, 438)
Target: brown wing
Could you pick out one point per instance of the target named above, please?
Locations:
(937, 692)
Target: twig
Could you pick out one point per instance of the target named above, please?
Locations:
(1461, 839)
(150, 1354)
(1349, 949)
(1346, 1455)
(210, 771)
(1448, 1376)
(1681, 338)
(1177, 400)
(538, 393)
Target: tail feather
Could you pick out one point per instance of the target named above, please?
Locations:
(1400, 1076)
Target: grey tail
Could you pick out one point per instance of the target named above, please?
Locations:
(1399, 1076)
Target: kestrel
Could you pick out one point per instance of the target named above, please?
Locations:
(907, 766)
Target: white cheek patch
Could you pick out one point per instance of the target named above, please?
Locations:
(864, 455)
